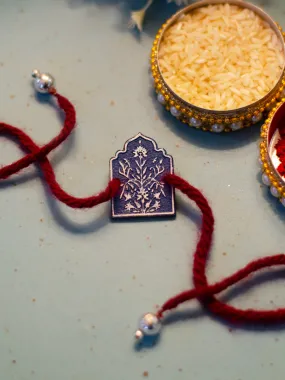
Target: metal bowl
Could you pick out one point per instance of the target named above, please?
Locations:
(268, 158)
(205, 119)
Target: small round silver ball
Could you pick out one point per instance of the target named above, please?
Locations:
(150, 325)
(43, 82)
(35, 73)
(139, 335)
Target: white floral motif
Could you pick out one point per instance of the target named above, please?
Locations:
(140, 151)
(127, 196)
(129, 207)
(142, 189)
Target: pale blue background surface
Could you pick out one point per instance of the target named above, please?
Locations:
(73, 284)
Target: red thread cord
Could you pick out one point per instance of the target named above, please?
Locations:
(36, 154)
(202, 291)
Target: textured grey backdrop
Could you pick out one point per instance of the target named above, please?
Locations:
(72, 283)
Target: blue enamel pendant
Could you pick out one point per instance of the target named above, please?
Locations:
(140, 166)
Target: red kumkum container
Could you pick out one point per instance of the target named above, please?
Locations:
(268, 156)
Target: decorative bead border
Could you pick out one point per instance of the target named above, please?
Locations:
(270, 177)
(208, 120)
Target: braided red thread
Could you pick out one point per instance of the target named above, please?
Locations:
(36, 154)
(204, 292)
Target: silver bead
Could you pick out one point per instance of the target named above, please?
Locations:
(149, 325)
(139, 335)
(265, 179)
(274, 191)
(257, 118)
(195, 122)
(174, 112)
(35, 73)
(236, 126)
(161, 98)
(43, 82)
(218, 128)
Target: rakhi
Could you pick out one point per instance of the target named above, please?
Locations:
(142, 184)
